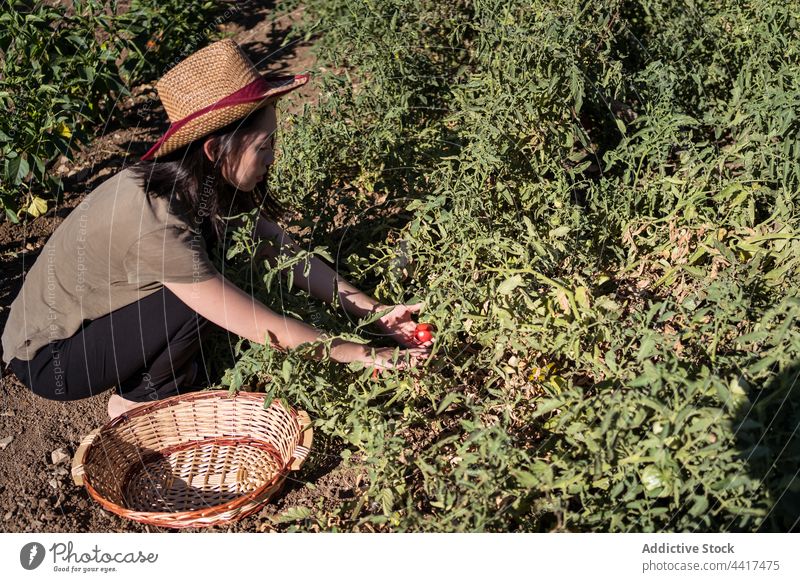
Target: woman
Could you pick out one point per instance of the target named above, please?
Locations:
(123, 291)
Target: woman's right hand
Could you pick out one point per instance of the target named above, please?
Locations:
(382, 358)
(379, 358)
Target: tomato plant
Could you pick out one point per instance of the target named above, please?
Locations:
(551, 183)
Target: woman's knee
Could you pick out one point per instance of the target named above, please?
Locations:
(47, 381)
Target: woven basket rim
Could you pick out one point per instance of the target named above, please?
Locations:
(188, 397)
(160, 517)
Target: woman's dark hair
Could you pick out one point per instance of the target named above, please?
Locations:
(196, 188)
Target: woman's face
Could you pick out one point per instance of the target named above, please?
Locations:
(256, 147)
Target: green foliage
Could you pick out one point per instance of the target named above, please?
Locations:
(62, 73)
(597, 201)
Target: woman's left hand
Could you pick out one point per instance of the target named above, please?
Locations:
(398, 325)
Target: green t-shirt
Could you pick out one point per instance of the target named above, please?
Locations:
(116, 247)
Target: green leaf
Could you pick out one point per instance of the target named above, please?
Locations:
(16, 168)
(12, 216)
(375, 316)
(387, 501)
(582, 297)
(294, 514)
(286, 371)
(507, 286)
(646, 349)
(699, 506)
(546, 406)
(446, 401)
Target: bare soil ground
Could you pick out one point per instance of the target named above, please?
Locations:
(36, 493)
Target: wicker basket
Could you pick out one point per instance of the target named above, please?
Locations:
(193, 460)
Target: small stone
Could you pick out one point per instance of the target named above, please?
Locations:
(59, 456)
(53, 483)
(8, 515)
(5, 442)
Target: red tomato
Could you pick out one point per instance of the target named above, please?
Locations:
(422, 333)
(423, 336)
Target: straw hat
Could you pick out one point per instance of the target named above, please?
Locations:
(211, 88)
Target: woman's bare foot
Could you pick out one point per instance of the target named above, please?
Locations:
(117, 405)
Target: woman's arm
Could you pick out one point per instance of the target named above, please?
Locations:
(322, 281)
(223, 303)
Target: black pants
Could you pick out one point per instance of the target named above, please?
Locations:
(146, 349)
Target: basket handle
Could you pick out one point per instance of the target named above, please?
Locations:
(302, 449)
(78, 470)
